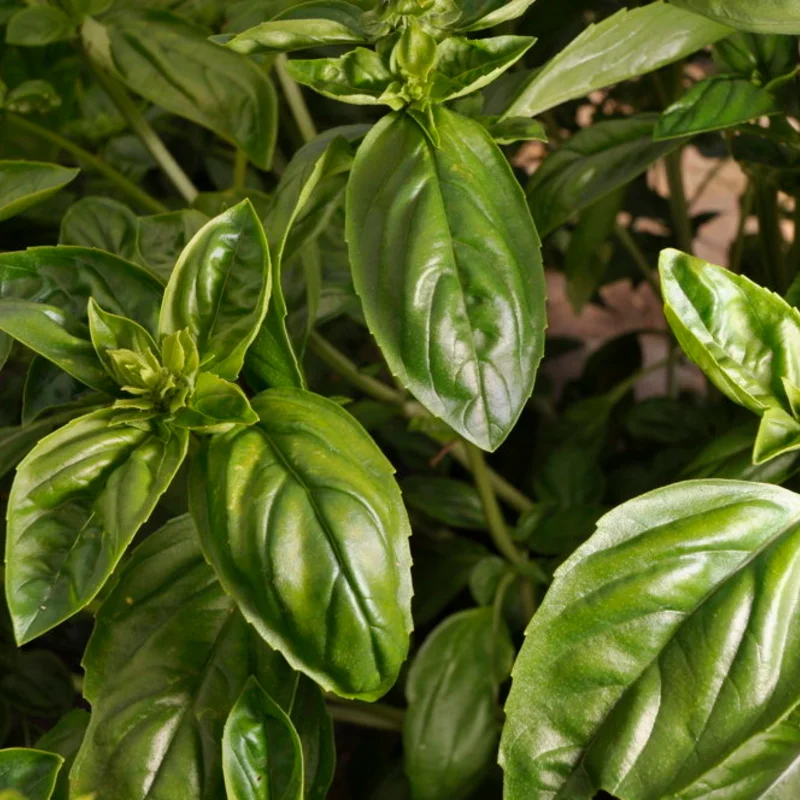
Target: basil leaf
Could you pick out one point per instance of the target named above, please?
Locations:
(59, 338)
(112, 332)
(593, 163)
(216, 402)
(25, 183)
(730, 456)
(311, 24)
(744, 337)
(450, 502)
(714, 104)
(65, 738)
(271, 360)
(513, 129)
(465, 340)
(451, 728)
(629, 43)
(359, 77)
(76, 503)
(18, 440)
(773, 16)
(466, 65)
(102, 223)
(219, 289)
(749, 54)
(669, 619)
(39, 25)
(778, 434)
(31, 771)
(317, 555)
(168, 657)
(475, 15)
(162, 238)
(49, 389)
(262, 755)
(67, 276)
(170, 63)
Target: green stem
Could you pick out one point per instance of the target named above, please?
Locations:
(296, 101)
(770, 237)
(640, 259)
(240, 170)
(737, 250)
(498, 529)
(82, 156)
(378, 390)
(793, 259)
(142, 128)
(677, 202)
(368, 715)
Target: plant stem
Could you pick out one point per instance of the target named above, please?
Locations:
(142, 128)
(136, 194)
(369, 715)
(640, 259)
(770, 237)
(793, 259)
(737, 250)
(498, 529)
(378, 390)
(677, 201)
(240, 170)
(296, 101)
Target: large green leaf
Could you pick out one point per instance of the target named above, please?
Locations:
(65, 738)
(666, 646)
(714, 104)
(30, 771)
(26, 183)
(764, 16)
(101, 223)
(67, 277)
(592, 164)
(172, 64)
(220, 288)
(446, 261)
(744, 337)
(47, 330)
(76, 503)
(626, 44)
(451, 727)
(294, 217)
(306, 529)
(168, 658)
(475, 15)
(262, 755)
(311, 24)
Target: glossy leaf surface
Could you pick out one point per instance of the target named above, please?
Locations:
(714, 104)
(216, 402)
(466, 65)
(76, 503)
(26, 183)
(312, 24)
(766, 16)
(67, 276)
(594, 163)
(451, 727)
(744, 337)
(219, 289)
(17, 440)
(30, 771)
(170, 62)
(464, 338)
(307, 531)
(664, 647)
(475, 15)
(262, 755)
(626, 44)
(49, 332)
(168, 658)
